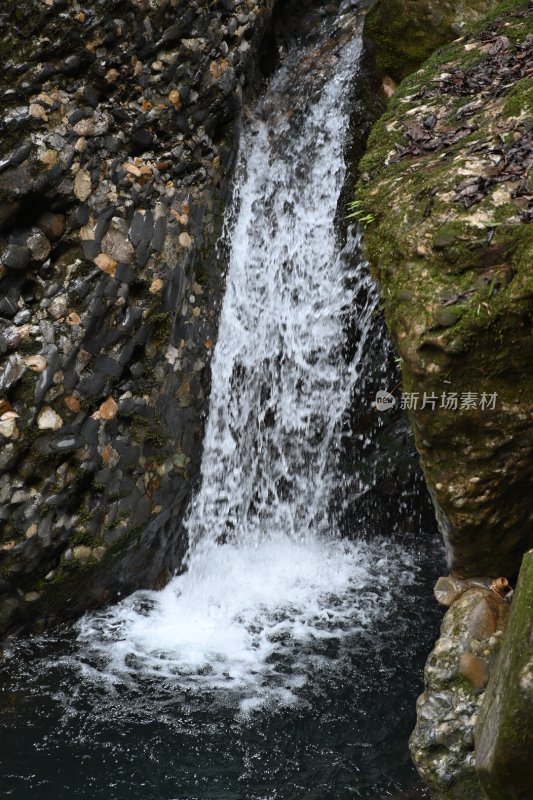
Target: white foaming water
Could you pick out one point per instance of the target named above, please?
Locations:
(268, 578)
(252, 619)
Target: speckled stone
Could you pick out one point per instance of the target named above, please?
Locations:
(104, 174)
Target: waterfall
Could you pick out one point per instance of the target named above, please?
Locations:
(280, 384)
(269, 583)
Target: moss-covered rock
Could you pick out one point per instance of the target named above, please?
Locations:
(504, 732)
(447, 197)
(406, 32)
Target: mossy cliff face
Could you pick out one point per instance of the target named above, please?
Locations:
(446, 183)
(446, 196)
(504, 731)
(406, 32)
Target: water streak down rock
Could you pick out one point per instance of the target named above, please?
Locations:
(119, 132)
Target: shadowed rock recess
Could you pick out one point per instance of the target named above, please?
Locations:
(446, 197)
(118, 133)
(406, 32)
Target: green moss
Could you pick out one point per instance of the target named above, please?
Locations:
(122, 516)
(114, 496)
(7, 562)
(504, 735)
(82, 536)
(162, 330)
(157, 438)
(84, 515)
(520, 99)
(456, 283)
(407, 32)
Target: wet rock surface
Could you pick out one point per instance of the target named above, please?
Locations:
(446, 198)
(118, 132)
(446, 189)
(504, 733)
(456, 675)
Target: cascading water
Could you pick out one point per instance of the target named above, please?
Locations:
(280, 384)
(259, 672)
(267, 573)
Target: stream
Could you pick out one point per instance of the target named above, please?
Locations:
(285, 661)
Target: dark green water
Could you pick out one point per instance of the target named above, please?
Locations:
(66, 734)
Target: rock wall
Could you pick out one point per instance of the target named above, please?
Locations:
(455, 677)
(446, 201)
(118, 132)
(504, 730)
(447, 193)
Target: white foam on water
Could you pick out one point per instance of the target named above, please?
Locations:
(269, 582)
(250, 619)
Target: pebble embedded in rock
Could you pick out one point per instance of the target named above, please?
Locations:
(8, 427)
(73, 318)
(159, 235)
(156, 286)
(72, 403)
(16, 257)
(71, 64)
(81, 215)
(20, 154)
(82, 185)
(39, 246)
(58, 306)
(117, 246)
(85, 128)
(185, 240)
(174, 33)
(8, 307)
(37, 112)
(36, 363)
(133, 170)
(474, 669)
(141, 140)
(106, 264)
(108, 409)
(91, 95)
(82, 552)
(137, 370)
(175, 99)
(48, 419)
(446, 317)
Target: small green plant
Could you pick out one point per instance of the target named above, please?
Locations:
(356, 212)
